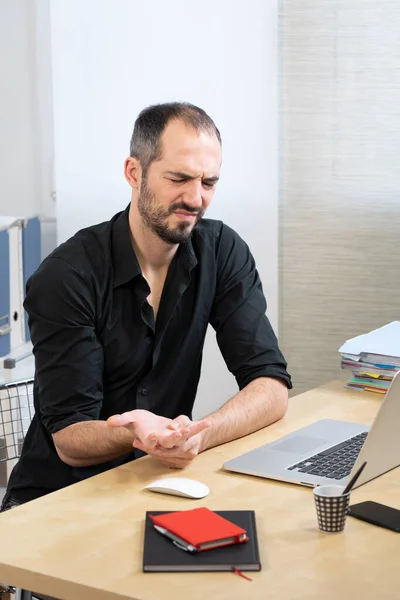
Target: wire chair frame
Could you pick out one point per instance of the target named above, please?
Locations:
(16, 413)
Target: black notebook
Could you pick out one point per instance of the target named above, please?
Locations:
(161, 555)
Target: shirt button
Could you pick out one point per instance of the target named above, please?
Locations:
(144, 392)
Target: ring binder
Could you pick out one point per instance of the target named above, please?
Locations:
(20, 256)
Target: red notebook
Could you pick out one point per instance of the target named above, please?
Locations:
(199, 529)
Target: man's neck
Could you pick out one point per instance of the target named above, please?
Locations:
(152, 253)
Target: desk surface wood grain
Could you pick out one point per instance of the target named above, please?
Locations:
(85, 542)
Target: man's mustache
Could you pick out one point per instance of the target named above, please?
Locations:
(185, 207)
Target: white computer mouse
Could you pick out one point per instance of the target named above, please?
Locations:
(179, 486)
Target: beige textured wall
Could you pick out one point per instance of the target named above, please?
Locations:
(339, 178)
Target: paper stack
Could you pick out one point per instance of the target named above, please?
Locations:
(373, 357)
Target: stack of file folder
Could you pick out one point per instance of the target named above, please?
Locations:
(374, 358)
(20, 256)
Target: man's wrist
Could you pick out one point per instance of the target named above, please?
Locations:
(204, 439)
(124, 437)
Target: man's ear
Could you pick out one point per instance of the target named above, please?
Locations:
(133, 172)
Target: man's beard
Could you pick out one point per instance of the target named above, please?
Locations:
(155, 217)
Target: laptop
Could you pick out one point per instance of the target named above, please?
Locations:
(330, 451)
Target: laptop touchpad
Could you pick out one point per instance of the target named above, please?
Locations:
(299, 444)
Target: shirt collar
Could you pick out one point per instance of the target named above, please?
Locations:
(126, 265)
(189, 253)
(125, 262)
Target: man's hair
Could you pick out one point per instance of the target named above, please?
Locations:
(151, 122)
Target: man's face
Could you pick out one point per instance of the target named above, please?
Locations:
(177, 189)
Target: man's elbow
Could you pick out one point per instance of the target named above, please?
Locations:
(65, 453)
(70, 460)
(282, 403)
(280, 400)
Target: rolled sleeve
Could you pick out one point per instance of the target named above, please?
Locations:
(244, 334)
(68, 355)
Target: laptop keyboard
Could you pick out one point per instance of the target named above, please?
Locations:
(335, 462)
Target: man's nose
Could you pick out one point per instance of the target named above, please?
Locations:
(193, 194)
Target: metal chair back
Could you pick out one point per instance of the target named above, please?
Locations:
(16, 412)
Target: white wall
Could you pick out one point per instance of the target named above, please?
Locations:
(26, 116)
(43, 119)
(18, 193)
(111, 59)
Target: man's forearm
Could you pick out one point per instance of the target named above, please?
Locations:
(91, 442)
(260, 403)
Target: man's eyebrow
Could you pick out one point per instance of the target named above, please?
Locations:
(181, 175)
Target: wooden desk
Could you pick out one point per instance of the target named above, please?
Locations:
(85, 542)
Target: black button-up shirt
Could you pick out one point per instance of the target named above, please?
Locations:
(98, 350)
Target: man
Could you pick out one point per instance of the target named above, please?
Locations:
(118, 316)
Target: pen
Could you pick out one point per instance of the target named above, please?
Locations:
(353, 480)
(175, 540)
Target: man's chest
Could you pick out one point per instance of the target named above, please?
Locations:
(135, 343)
(156, 286)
